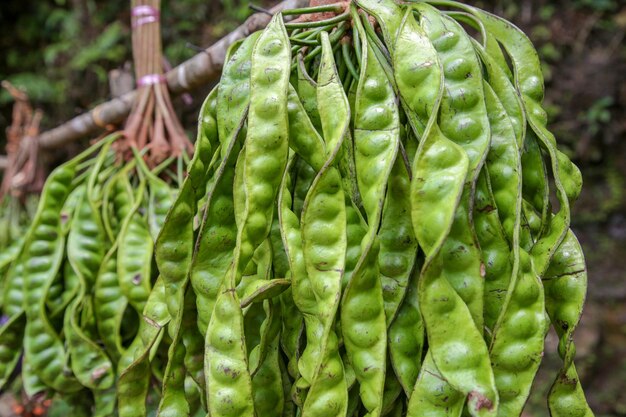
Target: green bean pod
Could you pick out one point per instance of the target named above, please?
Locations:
(469, 371)
(267, 139)
(267, 385)
(173, 400)
(134, 366)
(228, 382)
(398, 245)
(303, 296)
(464, 120)
(497, 211)
(11, 339)
(32, 384)
(323, 257)
(376, 139)
(323, 223)
(406, 337)
(109, 306)
(529, 82)
(44, 251)
(233, 92)
(85, 248)
(215, 241)
(432, 395)
(173, 258)
(134, 256)
(265, 159)
(565, 284)
(194, 348)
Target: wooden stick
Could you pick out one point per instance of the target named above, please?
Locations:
(197, 71)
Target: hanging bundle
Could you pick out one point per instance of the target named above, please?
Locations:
(152, 124)
(74, 296)
(22, 180)
(377, 238)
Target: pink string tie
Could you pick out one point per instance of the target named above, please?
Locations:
(151, 79)
(144, 14)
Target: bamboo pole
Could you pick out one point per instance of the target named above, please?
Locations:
(198, 70)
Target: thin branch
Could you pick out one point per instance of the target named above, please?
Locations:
(197, 71)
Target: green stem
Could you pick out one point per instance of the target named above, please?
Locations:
(345, 50)
(90, 150)
(340, 18)
(161, 167)
(317, 9)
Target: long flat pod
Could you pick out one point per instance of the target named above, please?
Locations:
(324, 243)
(302, 294)
(89, 362)
(195, 383)
(12, 331)
(517, 335)
(529, 81)
(435, 199)
(463, 119)
(134, 257)
(267, 139)
(173, 400)
(175, 243)
(134, 366)
(228, 381)
(406, 337)
(376, 139)
(398, 245)
(317, 306)
(11, 339)
(233, 92)
(499, 246)
(86, 245)
(229, 388)
(109, 305)
(44, 252)
(215, 241)
(565, 282)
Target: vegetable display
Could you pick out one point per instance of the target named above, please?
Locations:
(375, 222)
